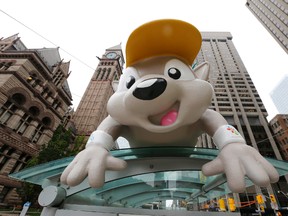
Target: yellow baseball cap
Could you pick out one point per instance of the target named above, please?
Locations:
(164, 37)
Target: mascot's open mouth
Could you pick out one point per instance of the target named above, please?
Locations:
(166, 118)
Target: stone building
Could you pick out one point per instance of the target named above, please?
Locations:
(279, 125)
(34, 99)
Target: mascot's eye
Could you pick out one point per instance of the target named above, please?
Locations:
(130, 81)
(174, 73)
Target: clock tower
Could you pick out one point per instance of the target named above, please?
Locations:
(92, 107)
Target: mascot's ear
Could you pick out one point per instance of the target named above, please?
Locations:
(202, 71)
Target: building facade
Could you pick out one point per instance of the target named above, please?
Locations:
(279, 125)
(92, 107)
(34, 99)
(237, 99)
(273, 16)
(279, 96)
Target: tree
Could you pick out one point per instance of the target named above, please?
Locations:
(62, 144)
(29, 191)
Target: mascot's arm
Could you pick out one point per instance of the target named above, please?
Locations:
(236, 159)
(95, 158)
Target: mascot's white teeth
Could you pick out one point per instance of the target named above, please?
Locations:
(169, 118)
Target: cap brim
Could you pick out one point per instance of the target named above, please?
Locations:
(166, 37)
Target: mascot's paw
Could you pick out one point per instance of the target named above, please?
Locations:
(238, 161)
(92, 162)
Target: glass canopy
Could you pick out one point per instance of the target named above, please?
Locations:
(152, 175)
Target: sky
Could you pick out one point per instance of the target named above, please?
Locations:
(85, 29)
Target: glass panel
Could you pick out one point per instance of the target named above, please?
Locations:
(136, 191)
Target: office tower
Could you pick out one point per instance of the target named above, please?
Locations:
(273, 16)
(279, 125)
(34, 100)
(236, 97)
(92, 107)
(279, 96)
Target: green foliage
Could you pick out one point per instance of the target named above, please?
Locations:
(62, 144)
(29, 192)
(58, 146)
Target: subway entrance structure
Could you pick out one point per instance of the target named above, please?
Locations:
(153, 177)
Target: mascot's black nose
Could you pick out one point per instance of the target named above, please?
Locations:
(150, 88)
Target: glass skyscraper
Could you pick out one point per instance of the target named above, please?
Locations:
(279, 96)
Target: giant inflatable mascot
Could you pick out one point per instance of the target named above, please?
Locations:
(162, 101)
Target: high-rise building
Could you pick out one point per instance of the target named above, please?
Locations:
(279, 96)
(237, 99)
(279, 125)
(92, 107)
(273, 16)
(34, 99)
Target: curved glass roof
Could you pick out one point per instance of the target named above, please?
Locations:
(152, 175)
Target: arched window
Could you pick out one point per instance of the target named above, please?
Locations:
(46, 121)
(34, 111)
(19, 99)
